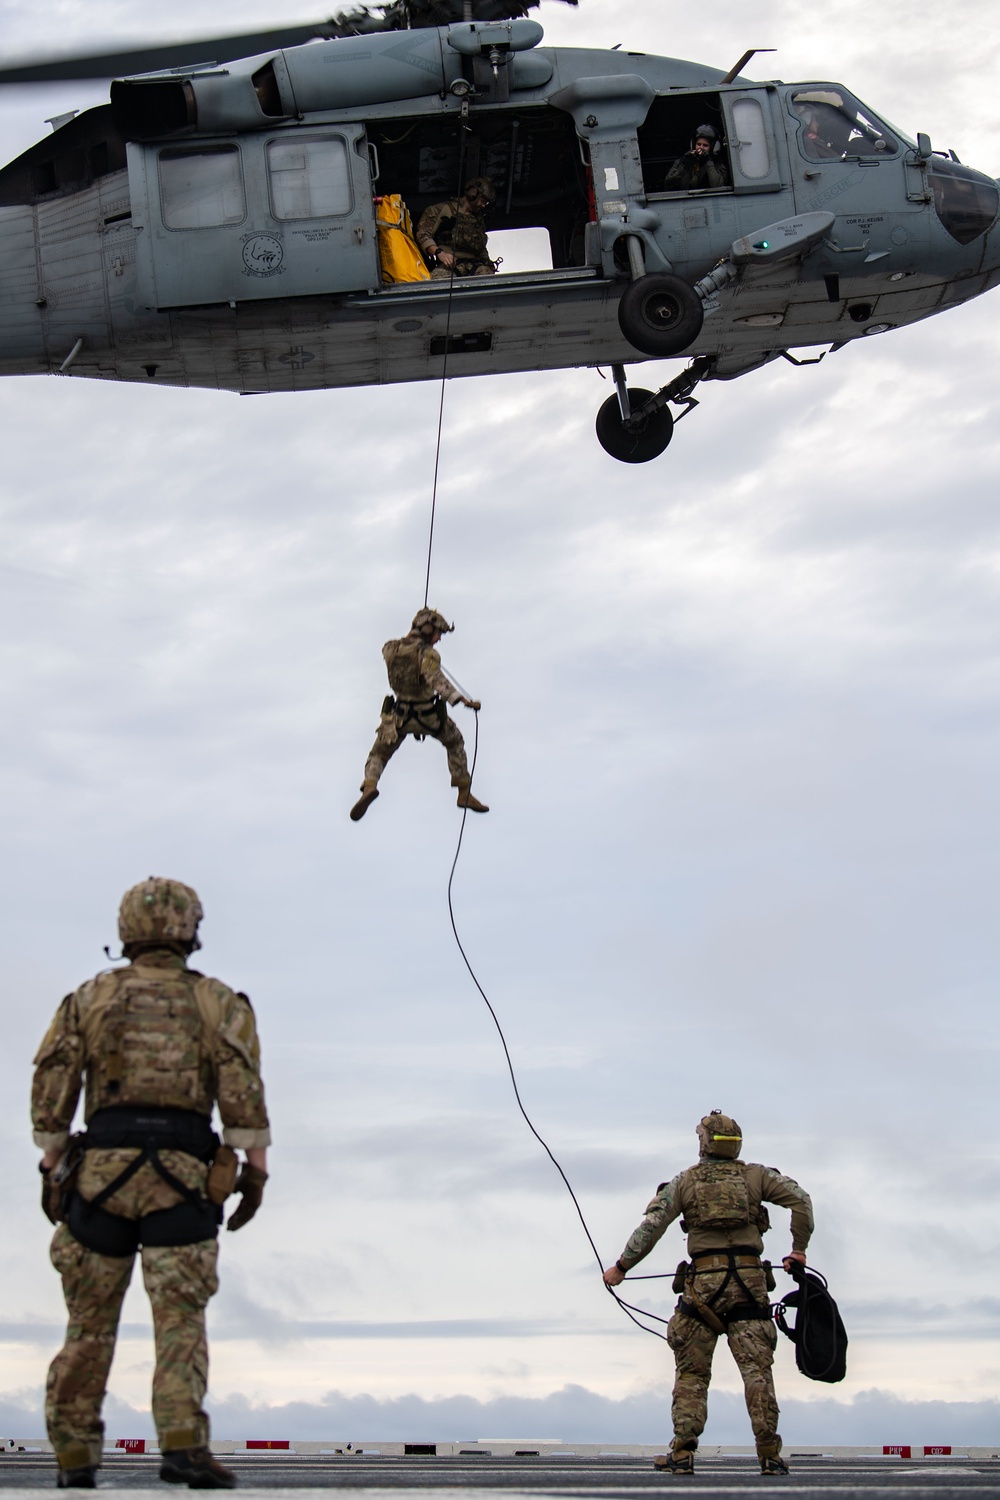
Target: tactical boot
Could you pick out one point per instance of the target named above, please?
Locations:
(466, 799)
(369, 791)
(83, 1478)
(773, 1464)
(675, 1463)
(196, 1468)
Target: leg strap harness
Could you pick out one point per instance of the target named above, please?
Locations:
(428, 715)
(732, 1261)
(150, 1131)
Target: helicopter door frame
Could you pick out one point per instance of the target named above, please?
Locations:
(753, 142)
(250, 218)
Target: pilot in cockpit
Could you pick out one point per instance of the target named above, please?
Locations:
(825, 131)
(703, 166)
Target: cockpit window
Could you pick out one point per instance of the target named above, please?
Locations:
(833, 126)
(966, 201)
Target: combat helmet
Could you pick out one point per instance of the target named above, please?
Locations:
(706, 133)
(719, 1135)
(428, 621)
(160, 911)
(482, 187)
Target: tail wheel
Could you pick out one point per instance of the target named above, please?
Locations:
(649, 438)
(660, 314)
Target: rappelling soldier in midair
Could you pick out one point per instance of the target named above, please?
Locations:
(418, 706)
(724, 1285)
(154, 1045)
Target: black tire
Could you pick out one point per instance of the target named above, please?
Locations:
(646, 442)
(660, 314)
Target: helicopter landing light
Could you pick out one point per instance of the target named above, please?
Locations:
(879, 328)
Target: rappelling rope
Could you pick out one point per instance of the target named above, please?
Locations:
(437, 446)
(626, 1307)
(444, 377)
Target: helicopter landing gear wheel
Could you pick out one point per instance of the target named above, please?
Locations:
(660, 314)
(639, 441)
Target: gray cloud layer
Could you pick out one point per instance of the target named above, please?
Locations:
(573, 1414)
(740, 737)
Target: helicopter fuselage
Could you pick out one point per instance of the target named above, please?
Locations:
(219, 229)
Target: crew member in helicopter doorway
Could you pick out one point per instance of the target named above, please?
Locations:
(724, 1285)
(702, 167)
(417, 705)
(452, 235)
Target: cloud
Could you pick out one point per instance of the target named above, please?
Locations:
(573, 1414)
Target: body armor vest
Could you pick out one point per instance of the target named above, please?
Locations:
(146, 1042)
(404, 661)
(721, 1196)
(464, 234)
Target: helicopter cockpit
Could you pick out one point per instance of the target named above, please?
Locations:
(834, 126)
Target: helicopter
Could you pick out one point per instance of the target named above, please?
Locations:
(217, 224)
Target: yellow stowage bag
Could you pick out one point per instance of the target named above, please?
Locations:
(400, 258)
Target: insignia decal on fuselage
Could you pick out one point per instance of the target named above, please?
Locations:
(262, 255)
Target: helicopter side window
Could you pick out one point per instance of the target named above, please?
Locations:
(748, 117)
(310, 178)
(834, 126)
(201, 188)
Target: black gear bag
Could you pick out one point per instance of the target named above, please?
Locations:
(818, 1332)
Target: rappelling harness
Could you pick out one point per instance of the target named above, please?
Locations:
(732, 1260)
(148, 1131)
(426, 715)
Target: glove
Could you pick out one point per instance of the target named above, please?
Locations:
(251, 1184)
(48, 1194)
(473, 703)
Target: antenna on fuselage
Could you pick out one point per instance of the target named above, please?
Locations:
(735, 72)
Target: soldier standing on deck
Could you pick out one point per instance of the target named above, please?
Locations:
(155, 1045)
(421, 692)
(725, 1285)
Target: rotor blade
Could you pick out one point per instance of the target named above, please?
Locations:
(159, 57)
(395, 15)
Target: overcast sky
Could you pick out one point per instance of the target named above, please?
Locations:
(739, 737)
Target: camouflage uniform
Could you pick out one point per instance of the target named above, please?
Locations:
(447, 226)
(421, 690)
(722, 1200)
(155, 1037)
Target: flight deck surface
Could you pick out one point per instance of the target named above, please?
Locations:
(284, 1475)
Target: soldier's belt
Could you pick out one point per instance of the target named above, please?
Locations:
(165, 1129)
(722, 1260)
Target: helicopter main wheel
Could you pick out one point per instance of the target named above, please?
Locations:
(660, 314)
(649, 438)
